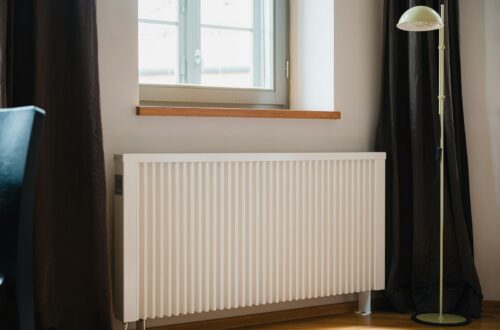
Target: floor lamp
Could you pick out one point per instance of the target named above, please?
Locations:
(421, 19)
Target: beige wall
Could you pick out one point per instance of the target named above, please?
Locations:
(357, 73)
(357, 62)
(480, 51)
(357, 58)
(312, 54)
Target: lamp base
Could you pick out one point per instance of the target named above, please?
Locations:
(434, 319)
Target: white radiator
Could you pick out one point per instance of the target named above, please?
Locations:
(206, 232)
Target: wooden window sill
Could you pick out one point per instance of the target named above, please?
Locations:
(234, 112)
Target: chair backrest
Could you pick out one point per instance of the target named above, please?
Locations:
(20, 132)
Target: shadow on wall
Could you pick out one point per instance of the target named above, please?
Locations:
(480, 56)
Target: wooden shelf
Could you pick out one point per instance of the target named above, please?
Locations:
(234, 112)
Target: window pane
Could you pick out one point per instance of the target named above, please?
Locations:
(162, 10)
(158, 54)
(228, 43)
(227, 58)
(234, 13)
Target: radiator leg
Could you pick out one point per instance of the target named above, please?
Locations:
(364, 303)
(140, 325)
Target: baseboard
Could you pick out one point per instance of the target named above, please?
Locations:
(491, 306)
(382, 304)
(266, 318)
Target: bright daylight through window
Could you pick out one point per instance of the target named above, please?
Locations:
(228, 45)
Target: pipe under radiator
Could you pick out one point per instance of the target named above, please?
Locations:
(205, 232)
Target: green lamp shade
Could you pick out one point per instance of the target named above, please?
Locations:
(420, 18)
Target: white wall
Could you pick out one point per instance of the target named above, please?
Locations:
(357, 75)
(311, 54)
(480, 51)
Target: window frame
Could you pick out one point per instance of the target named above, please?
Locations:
(277, 96)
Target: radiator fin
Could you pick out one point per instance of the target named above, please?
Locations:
(211, 231)
(214, 235)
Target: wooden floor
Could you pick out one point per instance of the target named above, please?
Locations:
(378, 320)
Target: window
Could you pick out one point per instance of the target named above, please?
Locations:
(213, 51)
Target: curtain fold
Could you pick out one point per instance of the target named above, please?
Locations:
(409, 132)
(52, 63)
(3, 52)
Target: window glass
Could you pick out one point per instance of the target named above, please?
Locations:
(162, 10)
(158, 55)
(212, 43)
(227, 58)
(231, 13)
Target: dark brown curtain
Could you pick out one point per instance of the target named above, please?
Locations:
(3, 52)
(409, 132)
(52, 63)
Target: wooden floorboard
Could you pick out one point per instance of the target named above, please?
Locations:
(379, 320)
(339, 317)
(265, 318)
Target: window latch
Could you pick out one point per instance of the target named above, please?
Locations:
(197, 56)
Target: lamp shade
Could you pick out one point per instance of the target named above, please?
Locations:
(420, 18)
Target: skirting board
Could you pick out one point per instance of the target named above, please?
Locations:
(266, 318)
(491, 306)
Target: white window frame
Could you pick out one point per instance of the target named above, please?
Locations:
(276, 96)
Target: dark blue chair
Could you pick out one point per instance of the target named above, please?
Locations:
(20, 133)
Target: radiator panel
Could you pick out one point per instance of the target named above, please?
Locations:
(212, 232)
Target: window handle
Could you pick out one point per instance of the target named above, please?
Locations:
(197, 56)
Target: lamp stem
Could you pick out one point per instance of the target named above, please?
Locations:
(441, 161)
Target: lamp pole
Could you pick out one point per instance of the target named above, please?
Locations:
(441, 163)
(421, 19)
